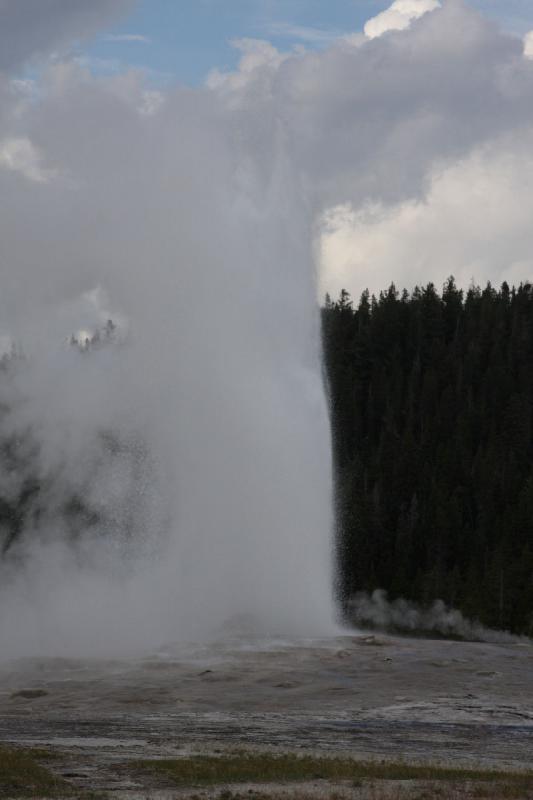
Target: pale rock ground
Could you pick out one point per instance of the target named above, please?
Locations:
(362, 695)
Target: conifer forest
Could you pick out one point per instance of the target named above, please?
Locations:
(431, 406)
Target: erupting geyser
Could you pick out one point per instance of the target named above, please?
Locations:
(181, 471)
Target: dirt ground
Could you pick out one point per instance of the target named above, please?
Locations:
(362, 695)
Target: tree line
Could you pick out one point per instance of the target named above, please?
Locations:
(431, 397)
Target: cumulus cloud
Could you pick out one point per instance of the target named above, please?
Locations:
(398, 16)
(259, 60)
(36, 27)
(472, 221)
(528, 45)
(20, 155)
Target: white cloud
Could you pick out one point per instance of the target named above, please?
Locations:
(398, 16)
(34, 28)
(474, 221)
(528, 45)
(20, 155)
(258, 59)
(313, 36)
(99, 66)
(23, 86)
(127, 37)
(151, 102)
(130, 88)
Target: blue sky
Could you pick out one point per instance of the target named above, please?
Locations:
(184, 39)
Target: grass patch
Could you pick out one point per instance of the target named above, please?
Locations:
(22, 776)
(270, 768)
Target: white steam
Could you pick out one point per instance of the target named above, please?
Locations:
(180, 476)
(401, 616)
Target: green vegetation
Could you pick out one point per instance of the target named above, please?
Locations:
(270, 768)
(432, 416)
(22, 776)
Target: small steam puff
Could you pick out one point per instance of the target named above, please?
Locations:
(377, 611)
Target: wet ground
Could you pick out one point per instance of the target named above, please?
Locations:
(368, 696)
